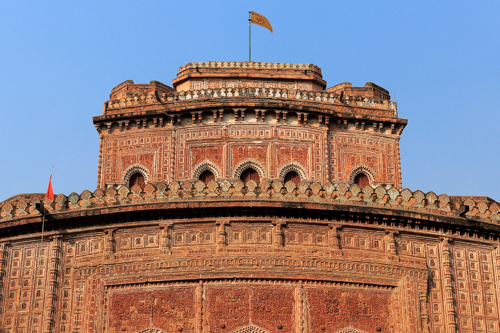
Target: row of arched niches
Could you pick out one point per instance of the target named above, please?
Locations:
(138, 178)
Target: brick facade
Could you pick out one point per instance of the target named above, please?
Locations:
(275, 117)
(317, 255)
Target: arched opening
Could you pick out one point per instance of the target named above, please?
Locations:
(292, 176)
(206, 176)
(362, 180)
(137, 179)
(250, 174)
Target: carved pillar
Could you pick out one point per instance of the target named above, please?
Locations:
(424, 314)
(166, 238)
(299, 118)
(284, 116)
(496, 262)
(100, 159)
(299, 308)
(391, 242)
(109, 242)
(334, 237)
(326, 154)
(449, 292)
(172, 158)
(221, 234)
(279, 238)
(3, 265)
(257, 114)
(199, 307)
(54, 273)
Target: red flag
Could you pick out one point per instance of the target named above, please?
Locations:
(50, 193)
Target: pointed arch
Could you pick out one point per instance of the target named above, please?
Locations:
(250, 164)
(250, 329)
(204, 166)
(293, 166)
(365, 170)
(133, 169)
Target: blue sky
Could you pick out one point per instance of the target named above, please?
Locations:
(439, 60)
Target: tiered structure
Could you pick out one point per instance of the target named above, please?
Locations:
(249, 199)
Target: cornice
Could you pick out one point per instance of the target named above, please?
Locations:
(342, 203)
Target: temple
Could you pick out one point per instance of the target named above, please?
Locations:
(249, 197)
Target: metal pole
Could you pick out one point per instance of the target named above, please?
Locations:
(249, 36)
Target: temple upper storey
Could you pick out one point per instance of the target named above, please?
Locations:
(249, 120)
(214, 80)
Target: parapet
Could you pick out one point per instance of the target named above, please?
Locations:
(315, 195)
(130, 89)
(370, 90)
(247, 74)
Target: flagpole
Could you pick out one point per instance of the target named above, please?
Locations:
(249, 36)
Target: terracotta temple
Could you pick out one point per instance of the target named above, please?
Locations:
(249, 198)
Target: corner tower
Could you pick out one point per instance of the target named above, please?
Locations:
(249, 120)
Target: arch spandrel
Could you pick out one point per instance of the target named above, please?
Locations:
(365, 170)
(250, 164)
(292, 166)
(206, 166)
(136, 168)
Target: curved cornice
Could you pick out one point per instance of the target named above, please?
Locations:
(372, 207)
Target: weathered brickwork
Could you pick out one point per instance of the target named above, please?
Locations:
(218, 118)
(194, 246)
(337, 308)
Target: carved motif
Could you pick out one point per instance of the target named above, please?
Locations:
(250, 163)
(250, 329)
(350, 330)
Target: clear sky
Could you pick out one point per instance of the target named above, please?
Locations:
(440, 60)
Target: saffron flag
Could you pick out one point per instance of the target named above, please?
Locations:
(50, 193)
(260, 20)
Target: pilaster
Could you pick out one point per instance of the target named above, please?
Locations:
(391, 242)
(3, 270)
(334, 237)
(109, 242)
(199, 307)
(424, 312)
(278, 239)
(166, 238)
(54, 273)
(221, 234)
(449, 292)
(299, 308)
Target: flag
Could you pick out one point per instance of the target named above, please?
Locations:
(50, 193)
(260, 20)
